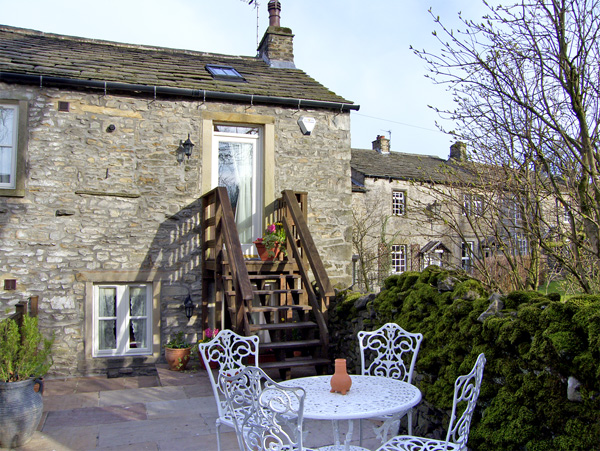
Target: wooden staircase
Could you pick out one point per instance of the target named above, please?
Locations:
(275, 300)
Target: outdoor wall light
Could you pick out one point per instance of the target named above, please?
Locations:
(184, 149)
(188, 305)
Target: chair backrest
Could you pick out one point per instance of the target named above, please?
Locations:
(389, 351)
(231, 352)
(270, 415)
(466, 392)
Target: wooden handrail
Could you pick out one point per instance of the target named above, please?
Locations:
(292, 208)
(226, 240)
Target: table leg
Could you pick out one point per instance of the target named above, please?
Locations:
(336, 432)
(349, 434)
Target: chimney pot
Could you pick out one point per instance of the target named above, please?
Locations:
(274, 13)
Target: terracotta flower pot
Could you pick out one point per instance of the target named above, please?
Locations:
(340, 381)
(177, 358)
(263, 252)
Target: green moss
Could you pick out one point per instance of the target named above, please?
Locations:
(531, 350)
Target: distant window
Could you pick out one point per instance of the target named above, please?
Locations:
(398, 258)
(467, 255)
(472, 205)
(9, 120)
(225, 73)
(398, 203)
(521, 245)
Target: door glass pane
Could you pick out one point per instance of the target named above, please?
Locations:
(137, 333)
(107, 302)
(137, 301)
(107, 334)
(235, 173)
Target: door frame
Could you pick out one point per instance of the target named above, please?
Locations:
(268, 149)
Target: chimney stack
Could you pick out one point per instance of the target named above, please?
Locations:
(277, 45)
(382, 145)
(458, 151)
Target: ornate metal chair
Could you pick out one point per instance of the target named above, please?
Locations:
(389, 351)
(231, 352)
(466, 391)
(270, 415)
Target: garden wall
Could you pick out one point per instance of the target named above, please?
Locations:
(540, 388)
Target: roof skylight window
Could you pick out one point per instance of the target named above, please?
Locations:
(225, 73)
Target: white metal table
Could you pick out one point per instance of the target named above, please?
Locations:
(369, 396)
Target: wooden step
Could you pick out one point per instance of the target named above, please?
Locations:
(279, 308)
(283, 326)
(263, 292)
(295, 362)
(296, 344)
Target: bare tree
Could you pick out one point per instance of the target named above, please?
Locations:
(526, 83)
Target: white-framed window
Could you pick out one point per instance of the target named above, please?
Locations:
(398, 203)
(122, 319)
(521, 245)
(467, 255)
(472, 205)
(398, 258)
(9, 133)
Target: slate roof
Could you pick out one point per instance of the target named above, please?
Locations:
(36, 53)
(399, 166)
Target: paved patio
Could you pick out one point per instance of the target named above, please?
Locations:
(168, 411)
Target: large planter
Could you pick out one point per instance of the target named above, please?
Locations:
(177, 358)
(263, 252)
(20, 411)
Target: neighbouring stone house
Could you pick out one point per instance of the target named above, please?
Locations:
(99, 201)
(431, 210)
(394, 197)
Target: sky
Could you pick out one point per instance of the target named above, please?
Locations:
(357, 49)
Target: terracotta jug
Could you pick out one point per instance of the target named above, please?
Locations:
(340, 381)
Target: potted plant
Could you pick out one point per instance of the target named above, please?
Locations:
(207, 335)
(25, 356)
(177, 352)
(272, 244)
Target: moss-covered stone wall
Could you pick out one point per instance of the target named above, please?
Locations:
(540, 388)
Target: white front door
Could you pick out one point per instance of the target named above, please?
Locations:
(237, 166)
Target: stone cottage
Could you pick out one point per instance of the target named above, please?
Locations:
(394, 196)
(105, 151)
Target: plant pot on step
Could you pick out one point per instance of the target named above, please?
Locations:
(177, 358)
(263, 252)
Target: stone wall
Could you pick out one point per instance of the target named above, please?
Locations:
(104, 205)
(345, 320)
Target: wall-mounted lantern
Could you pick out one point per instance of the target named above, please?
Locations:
(188, 305)
(184, 149)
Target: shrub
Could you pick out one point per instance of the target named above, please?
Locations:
(24, 353)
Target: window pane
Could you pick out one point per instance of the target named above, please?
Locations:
(107, 334)
(137, 333)
(240, 130)
(7, 145)
(235, 174)
(6, 158)
(107, 304)
(137, 301)
(7, 126)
